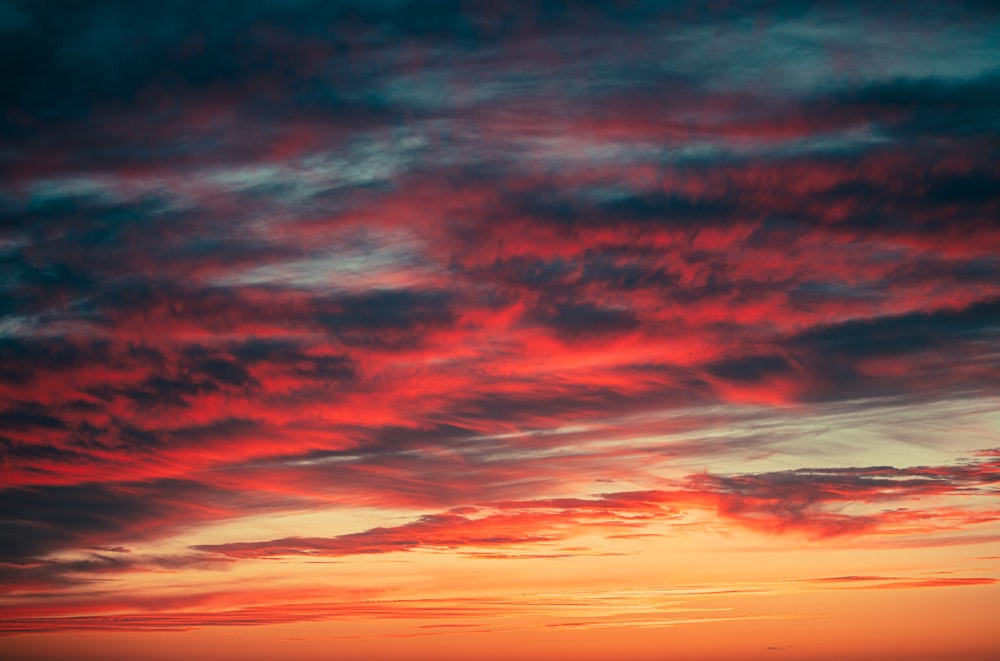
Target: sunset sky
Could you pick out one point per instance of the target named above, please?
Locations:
(374, 330)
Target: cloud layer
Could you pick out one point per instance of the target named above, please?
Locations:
(493, 278)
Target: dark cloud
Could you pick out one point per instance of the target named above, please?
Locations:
(21, 358)
(32, 452)
(806, 500)
(904, 334)
(750, 368)
(40, 520)
(28, 416)
(59, 575)
(385, 318)
(922, 107)
(158, 391)
(232, 429)
(586, 320)
(566, 211)
(395, 310)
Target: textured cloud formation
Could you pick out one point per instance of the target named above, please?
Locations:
(790, 501)
(494, 278)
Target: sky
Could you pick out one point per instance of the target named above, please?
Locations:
(545, 330)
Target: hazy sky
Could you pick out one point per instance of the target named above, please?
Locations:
(537, 330)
